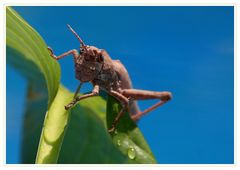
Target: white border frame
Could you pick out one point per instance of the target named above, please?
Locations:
(5, 3)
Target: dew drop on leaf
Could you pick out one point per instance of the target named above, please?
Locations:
(115, 131)
(118, 142)
(131, 153)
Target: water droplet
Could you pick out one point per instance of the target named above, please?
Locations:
(118, 142)
(115, 131)
(131, 153)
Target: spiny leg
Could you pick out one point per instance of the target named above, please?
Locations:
(73, 52)
(144, 95)
(124, 102)
(94, 92)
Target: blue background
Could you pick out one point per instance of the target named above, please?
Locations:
(186, 50)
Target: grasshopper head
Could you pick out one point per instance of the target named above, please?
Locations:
(91, 60)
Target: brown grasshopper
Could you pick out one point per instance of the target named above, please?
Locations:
(96, 66)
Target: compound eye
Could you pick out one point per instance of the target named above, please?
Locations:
(101, 58)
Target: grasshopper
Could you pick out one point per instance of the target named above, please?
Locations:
(94, 65)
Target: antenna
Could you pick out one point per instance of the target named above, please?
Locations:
(80, 40)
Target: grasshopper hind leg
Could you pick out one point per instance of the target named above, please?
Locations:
(145, 95)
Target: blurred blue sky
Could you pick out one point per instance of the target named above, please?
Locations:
(185, 50)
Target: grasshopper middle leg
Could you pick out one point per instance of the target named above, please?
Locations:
(124, 101)
(94, 92)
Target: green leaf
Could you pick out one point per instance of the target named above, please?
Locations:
(28, 53)
(55, 123)
(42, 73)
(127, 136)
(50, 133)
(87, 140)
(31, 55)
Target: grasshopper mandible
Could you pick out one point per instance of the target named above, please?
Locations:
(94, 65)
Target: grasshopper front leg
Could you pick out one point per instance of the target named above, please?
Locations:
(73, 52)
(144, 95)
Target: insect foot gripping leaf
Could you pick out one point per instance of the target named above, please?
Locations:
(127, 137)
